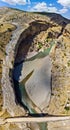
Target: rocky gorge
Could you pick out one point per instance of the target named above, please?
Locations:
(29, 59)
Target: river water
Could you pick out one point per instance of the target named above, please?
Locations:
(32, 83)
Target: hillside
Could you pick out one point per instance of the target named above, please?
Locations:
(35, 54)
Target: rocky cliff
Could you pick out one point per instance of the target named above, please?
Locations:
(24, 35)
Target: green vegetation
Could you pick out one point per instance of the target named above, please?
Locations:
(40, 45)
(67, 108)
(44, 13)
(68, 63)
(43, 126)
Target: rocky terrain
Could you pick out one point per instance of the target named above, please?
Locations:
(35, 55)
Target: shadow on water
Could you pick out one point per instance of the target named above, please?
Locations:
(18, 95)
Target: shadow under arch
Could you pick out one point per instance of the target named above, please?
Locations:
(21, 50)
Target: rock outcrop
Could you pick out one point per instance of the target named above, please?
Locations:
(25, 35)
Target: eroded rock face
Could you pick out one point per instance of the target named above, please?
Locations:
(37, 31)
(39, 77)
(33, 34)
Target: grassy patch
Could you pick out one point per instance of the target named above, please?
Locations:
(67, 108)
(68, 63)
(40, 45)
